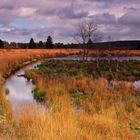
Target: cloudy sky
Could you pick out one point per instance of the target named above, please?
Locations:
(22, 19)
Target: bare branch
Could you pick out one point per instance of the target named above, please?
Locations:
(87, 32)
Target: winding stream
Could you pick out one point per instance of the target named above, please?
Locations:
(20, 90)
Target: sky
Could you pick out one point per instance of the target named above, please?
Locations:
(22, 19)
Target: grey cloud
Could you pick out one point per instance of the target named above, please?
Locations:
(104, 18)
(16, 31)
(72, 14)
(130, 18)
(60, 17)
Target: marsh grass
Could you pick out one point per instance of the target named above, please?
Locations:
(13, 60)
(10, 62)
(104, 114)
(127, 71)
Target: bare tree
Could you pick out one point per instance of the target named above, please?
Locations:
(87, 33)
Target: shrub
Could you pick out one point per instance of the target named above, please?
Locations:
(110, 76)
(39, 95)
(30, 74)
(134, 126)
(77, 95)
(137, 101)
(94, 74)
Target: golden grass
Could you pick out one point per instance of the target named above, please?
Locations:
(11, 58)
(116, 52)
(106, 115)
(103, 114)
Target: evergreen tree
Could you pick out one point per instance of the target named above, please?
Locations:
(40, 44)
(138, 47)
(49, 43)
(1, 44)
(32, 44)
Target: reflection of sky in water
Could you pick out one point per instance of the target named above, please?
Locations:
(20, 91)
(120, 58)
(137, 84)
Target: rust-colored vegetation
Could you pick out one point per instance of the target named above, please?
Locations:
(78, 107)
(12, 58)
(116, 52)
(81, 108)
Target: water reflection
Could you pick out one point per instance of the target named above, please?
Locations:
(137, 84)
(119, 58)
(20, 90)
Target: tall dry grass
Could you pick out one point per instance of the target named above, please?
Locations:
(5, 114)
(116, 52)
(12, 58)
(9, 60)
(102, 114)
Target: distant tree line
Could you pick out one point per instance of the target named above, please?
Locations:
(47, 45)
(1, 44)
(31, 45)
(118, 45)
(138, 47)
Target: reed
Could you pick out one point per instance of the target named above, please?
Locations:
(101, 115)
(76, 107)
